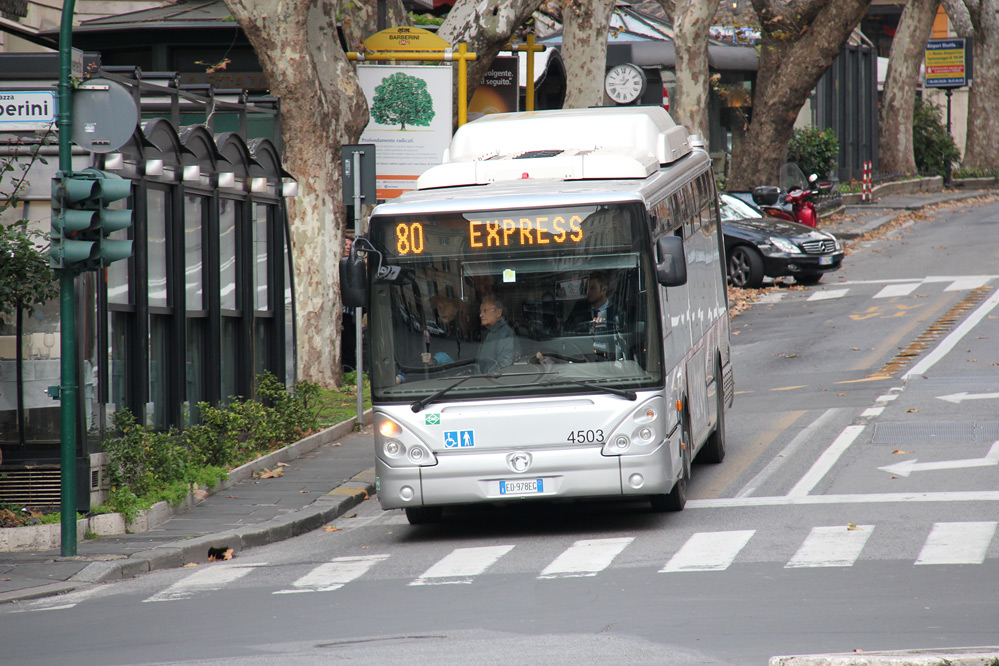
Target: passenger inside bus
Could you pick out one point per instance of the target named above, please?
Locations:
(596, 312)
(496, 350)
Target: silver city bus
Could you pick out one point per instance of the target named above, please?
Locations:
(548, 315)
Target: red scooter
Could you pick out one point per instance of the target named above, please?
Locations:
(793, 206)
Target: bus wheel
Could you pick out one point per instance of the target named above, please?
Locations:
(676, 499)
(424, 515)
(714, 449)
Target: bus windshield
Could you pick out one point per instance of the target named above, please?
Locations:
(514, 302)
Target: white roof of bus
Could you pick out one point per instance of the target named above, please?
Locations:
(563, 144)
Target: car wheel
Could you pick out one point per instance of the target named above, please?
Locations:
(745, 268)
(424, 515)
(808, 278)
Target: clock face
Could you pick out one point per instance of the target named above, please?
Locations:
(624, 83)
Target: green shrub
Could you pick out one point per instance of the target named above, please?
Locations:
(815, 150)
(934, 149)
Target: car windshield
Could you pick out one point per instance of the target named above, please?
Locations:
(515, 302)
(733, 209)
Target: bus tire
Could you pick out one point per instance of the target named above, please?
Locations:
(424, 515)
(676, 498)
(713, 451)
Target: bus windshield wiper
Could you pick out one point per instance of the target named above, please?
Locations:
(624, 393)
(433, 397)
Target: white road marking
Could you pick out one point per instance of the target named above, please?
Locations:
(860, 498)
(957, 543)
(958, 398)
(968, 283)
(826, 461)
(334, 574)
(872, 411)
(837, 546)
(782, 457)
(587, 557)
(828, 295)
(954, 337)
(204, 580)
(771, 298)
(709, 551)
(461, 565)
(907, 467)
(893, 290)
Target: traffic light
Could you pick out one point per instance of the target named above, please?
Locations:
(81, 221)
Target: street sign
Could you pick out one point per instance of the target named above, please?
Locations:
(27, 110)
(366, 172)
(104, 115)
(947, 64)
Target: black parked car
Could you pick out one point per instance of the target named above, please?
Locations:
(758, 246)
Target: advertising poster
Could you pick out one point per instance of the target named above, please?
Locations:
(410, 124)
(499, 91)
(945, 66)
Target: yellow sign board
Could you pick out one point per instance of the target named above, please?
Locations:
(405, 38)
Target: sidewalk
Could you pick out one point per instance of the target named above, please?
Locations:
(854, 220)
(320, 485)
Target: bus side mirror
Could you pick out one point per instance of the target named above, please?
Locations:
(354, 280)
(671, 266)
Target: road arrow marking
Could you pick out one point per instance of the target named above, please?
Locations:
(909, 466)
(958, 398)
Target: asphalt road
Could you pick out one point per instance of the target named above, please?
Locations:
(856, 509)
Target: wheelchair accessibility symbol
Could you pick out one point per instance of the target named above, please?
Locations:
(454, 439)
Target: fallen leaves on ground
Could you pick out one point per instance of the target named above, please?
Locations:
(220, 554)
(270, 473)
(901, 452)
(851, 527)
(190, 564)
(330, 528)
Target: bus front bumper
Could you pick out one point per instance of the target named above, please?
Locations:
(553, 473)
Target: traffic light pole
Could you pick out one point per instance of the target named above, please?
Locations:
(67, 305)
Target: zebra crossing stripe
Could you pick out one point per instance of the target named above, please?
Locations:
(828, 294)
(586, 558)
(203, 580)
(837, 546)
(461, 565)
(334, 574)
(893, 290)
(957, 543)
(709, 551)
(969, 283)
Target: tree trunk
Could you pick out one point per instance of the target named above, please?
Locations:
(800, 41)
(485, 27)
(362, 20)
(692, 18)
(323, 108)
(982, 143)
(584, 50)
(907, 52)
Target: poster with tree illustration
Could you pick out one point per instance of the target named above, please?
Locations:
(403, 100)
(410, 108)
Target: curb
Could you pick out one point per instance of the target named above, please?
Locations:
(328, 507)
(958, 656)
(44, 537)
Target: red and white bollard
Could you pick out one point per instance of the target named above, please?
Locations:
(866, 195)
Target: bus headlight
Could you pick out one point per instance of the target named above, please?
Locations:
(393, 448)
(420, 455)
(640, 432)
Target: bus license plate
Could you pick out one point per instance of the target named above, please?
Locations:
(521, 487)
(825, 261)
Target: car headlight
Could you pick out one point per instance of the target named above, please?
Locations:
(784, 245)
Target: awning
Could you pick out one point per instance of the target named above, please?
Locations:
(720, 57)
